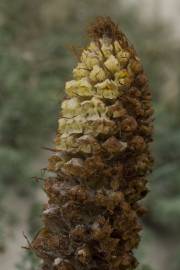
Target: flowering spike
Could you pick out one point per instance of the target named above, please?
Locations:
(100, 161)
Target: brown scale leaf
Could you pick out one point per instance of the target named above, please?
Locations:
(105, 26)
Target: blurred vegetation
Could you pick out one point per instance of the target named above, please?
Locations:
(35, 61)
(29, 261)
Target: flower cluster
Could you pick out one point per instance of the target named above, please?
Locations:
(101, 160)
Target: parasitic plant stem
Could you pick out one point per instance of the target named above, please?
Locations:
(100, 160)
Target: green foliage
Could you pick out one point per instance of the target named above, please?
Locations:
(28, 98)
(34, 218)
(144, 267)
(27, 104)
(28, 262)
(165, 184)
(175, 262)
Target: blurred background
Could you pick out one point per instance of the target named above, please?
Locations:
(35, 62)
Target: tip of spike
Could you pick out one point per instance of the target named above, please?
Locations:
(104, 26)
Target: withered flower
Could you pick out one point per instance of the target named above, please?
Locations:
(100, 161)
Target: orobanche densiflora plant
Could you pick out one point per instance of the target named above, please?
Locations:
(100, 161)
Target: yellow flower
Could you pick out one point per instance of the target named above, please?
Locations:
(79, 88)
(70, 126)
(87, 108)
(97, 74)
(70, 107)
(123, 57)
(99, 126)
(107, 89)
(87, 143)
(70, 87)
(123, 73)
(117, 46)
(80, 71)
(62, 123)
(93, 107)
(67, 143)
(112, 64)
(89, 59)
(84, 88)
(99, 106)
(93, 46)
(123, 78)
(106, 47)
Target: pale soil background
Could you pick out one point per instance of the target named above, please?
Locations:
(169, 10)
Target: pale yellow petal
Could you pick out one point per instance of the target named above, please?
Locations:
(107, 89)
(97, 74)
(112, 64)
(80, 71)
